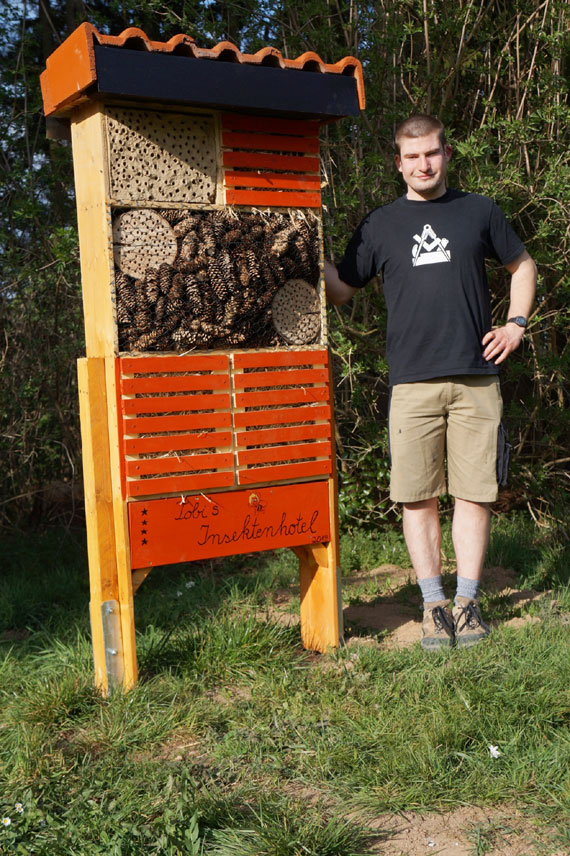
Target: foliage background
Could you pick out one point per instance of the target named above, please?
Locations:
(495, 71)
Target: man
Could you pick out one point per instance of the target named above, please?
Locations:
(430, 247)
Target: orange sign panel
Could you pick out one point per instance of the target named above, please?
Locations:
(203, 526)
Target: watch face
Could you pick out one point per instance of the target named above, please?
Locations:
(519, 319)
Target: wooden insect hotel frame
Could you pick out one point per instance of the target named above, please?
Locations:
(205, 393)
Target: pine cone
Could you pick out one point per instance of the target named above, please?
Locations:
(211, 306)
(143, 315)
(146, 341)
(234, 236)
(123, 315)
(183, 337)
(231, 311)
(160, 308)
(219, 223)
(206, 233)
(189, 246)
(217, 280)
(152, 287)
(172, 215)
(193, 295)
(282, 239)
(164, 278)
(227, 270)
(188, 222)
(125, 292)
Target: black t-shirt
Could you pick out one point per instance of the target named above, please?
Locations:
(432, 259)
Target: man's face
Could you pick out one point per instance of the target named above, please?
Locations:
(423, 164)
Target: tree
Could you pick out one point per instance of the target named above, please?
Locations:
(495, 72)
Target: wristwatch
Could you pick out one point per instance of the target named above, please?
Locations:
(518, 319)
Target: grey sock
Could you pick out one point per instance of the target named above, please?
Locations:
(467, 588)
(432, 589)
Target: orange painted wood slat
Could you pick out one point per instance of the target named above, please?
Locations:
(167, 530)
(269, 142)
(239, 122)
(178, 484)
(293, 376)
(204, 440)
(161, 365)
(181, 464)
(260, 475)
(288, 198)
(175, 402)
(284, 435)
(264, 359)
(169, 383)
(279, 416)
(186, 422)
(283, 453)
(256, 160)
(272, 181)
(282, 396)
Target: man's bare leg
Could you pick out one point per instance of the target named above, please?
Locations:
(423, 537)
(470, 533)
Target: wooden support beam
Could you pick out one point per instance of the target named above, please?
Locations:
(94, 226)
(320, 597)
(138, 578)
(98, 505)
(122, 543)
(319, 575)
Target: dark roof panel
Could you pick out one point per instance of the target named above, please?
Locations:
(133, 66)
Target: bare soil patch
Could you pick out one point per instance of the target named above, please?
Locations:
(466, 831)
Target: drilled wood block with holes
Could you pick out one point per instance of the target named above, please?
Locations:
(206, 391)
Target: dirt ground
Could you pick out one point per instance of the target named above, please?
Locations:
(387, 614)
(468, 831)
(390, 616)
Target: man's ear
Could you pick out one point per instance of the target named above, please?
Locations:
(398, 162)
(448, 151)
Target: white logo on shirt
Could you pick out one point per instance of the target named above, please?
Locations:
(429, 249)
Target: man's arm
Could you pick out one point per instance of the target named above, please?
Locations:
(502, 341)
(338, 292)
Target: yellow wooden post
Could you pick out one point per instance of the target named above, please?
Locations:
(122, 543)
(98, 505)
(97, 275)
(320, 597)
(319, 576)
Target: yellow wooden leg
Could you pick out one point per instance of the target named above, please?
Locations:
(320, 597)
(319, 576)
(122, 542)
(138, 577)
(98, 504)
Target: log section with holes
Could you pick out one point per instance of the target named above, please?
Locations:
(206, 403)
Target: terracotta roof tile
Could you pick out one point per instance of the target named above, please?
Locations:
(71, 68)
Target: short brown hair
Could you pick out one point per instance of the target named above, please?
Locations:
(418, 125)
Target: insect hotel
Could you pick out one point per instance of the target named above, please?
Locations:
(205, 393)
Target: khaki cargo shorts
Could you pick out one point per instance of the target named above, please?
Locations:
(457, 417)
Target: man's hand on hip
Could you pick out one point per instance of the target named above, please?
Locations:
(502, 341)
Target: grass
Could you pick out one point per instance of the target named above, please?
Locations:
(236, 741)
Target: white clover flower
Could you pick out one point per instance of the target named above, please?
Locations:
(190, 583)
(19, 808)
(178, 594)
(494, 751)
(6, 821)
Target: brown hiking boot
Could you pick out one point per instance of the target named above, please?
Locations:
(437, 626)
(469, 626)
